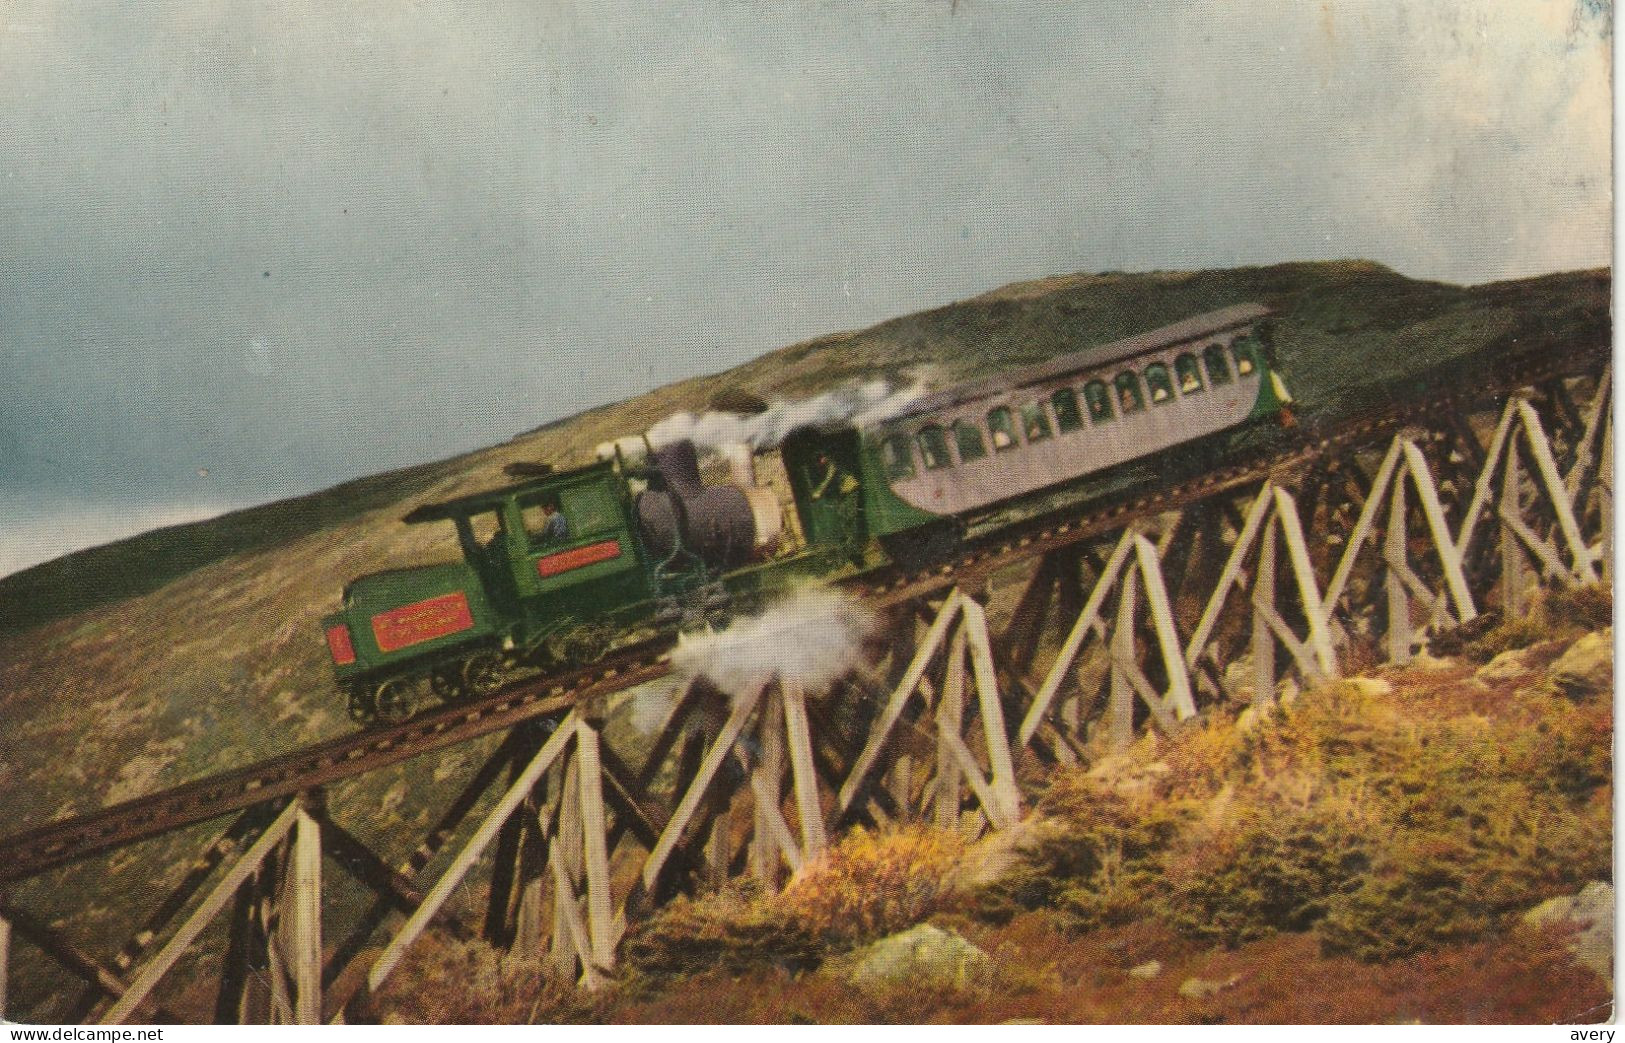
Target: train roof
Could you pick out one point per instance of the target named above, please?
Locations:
(491, 499)
(1205, 325)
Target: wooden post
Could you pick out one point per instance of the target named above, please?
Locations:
(992, 708)
(690, 802)
(1087, 623)
(1450, 559)
(165, 958)
(881, 730)
(1162, 622)
(471, 851)
(599, 907)
(767, 775)
(1514, 574)
(1605, 487)
(570, 939)
(1399, 604)
(1303, 572)
(950, 718)
(1541, 450)
(799, 739)
(1263, 636)
(302, 919)
(1120, 713)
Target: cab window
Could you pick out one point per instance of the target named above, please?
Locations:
(1157, 380)
(1067, 415)
(898, 457)
(1034, 422)
(487, 528)
(538, 512)
(1001, 425)
(589, 509)
(1129, 396)
(968, 437)
(1218, 369)
(1099, 401)
(934, 448)
(1189, 374)
(1245, 351)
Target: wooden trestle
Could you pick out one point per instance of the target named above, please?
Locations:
(1236, 597)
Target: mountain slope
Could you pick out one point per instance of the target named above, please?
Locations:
(213, 656)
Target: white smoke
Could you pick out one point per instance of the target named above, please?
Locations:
(813, 635)
(861, 404)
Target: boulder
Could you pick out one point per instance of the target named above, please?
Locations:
(924, 956)
(1592, 911)
(1201, 988)
(1587, 668)
(1504, 667)
(1374, 687)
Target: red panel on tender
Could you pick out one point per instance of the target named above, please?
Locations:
(578, 558)
(338, 643)
(422, 621)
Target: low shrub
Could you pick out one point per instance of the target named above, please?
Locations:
(867, 886)
(1553, 615)
(1488, 819)
(445, 981)
(874, 884)
(1098, 864)
(1272, 873)
(727, 932)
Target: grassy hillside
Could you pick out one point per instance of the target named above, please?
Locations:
(160, 659)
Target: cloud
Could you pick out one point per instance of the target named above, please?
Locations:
(295, 242)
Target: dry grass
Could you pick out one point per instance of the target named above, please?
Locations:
(867, 886)
(447, 982)
(1059, 977)
(1388, 817)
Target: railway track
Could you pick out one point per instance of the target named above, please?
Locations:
(31, 852)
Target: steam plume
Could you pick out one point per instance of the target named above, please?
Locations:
(865, 403)
(813, 635)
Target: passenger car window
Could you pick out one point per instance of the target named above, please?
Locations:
(1157, 380)
(1246, 352)
(1189, 373)
(969, 439)
(898, 457)
(1129, 395)
(1034, 422)
(1218, 370)
(1002, 426)
(1067, 415)
(1099, 400)
(934, 448)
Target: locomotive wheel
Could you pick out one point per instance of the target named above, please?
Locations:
(447, 684)
(363, 710)
(482, 674)
(393, 701)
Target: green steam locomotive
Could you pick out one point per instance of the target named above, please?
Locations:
(562, 565)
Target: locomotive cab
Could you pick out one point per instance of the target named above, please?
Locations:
(825, 469)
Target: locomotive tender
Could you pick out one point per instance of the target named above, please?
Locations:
(557, 567)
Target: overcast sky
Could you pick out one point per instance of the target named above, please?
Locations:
(251, 249)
